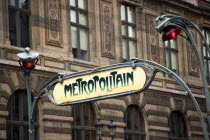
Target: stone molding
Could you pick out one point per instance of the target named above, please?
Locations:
(53, 22)
(107, 37)
(153, 49)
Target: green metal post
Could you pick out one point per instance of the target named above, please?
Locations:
(31, 123)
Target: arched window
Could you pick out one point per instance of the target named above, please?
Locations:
(17, 120)
(177, 124)
(135, 129)
(83, 127)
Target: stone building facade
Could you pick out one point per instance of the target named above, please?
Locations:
(53, 27)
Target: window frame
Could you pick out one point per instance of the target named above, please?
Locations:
(132, 131)
(21, 123)
(79, 26)
(206, 57)
(170, 50)
(18, 11)
(82, 127)
(127, 24)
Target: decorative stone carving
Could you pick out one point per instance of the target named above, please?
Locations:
(135, 98)
(179, 104)
(191, 106)
(156, 99)
(192, 59)
(40, 82)
(21, 79)
(107, 29)
(191, 17)
(152, 39)
(53, 27)
(151, 4)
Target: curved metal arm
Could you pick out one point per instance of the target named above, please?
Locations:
(184, 24)
(184, 86)
(151, 66)
(42, 91)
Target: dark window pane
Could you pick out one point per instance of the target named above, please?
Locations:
(129, 137)
(36, 133)
(88, 135)
(134, 123)
(12, 2)
(25, 108)
(136, 120)
(15, 107)
(77, 115)
(73, 134)
(23, 4)
(79, 134)
(93, 135)
(25, 133)
(92, 116)
(15, 132)
(86, 114)
(75, 52)
(9, 130)
(177, 125)
(129, 118)
(17, 126)
(12, 28)
(84, 122)
(24, 28)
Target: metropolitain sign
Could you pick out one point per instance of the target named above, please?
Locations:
(99, 85)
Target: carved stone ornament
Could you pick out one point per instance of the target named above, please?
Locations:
(179, 105)
(135, 98)
(191, 17)
(21, 79)
(191, 106)
(151, 4)
(53, 27)
(107, 29)
(192, 59)
(40, 82)
(152, 39)
(156, 99)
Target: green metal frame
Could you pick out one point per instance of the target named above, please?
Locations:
(152, 67)
(185, 24)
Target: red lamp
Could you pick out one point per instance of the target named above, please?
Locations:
(28, 59)
(170, 32)
(28, 65)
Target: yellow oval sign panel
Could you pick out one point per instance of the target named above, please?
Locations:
(99, 84)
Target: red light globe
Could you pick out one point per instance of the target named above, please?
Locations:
(28, 65)
(170, 32)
